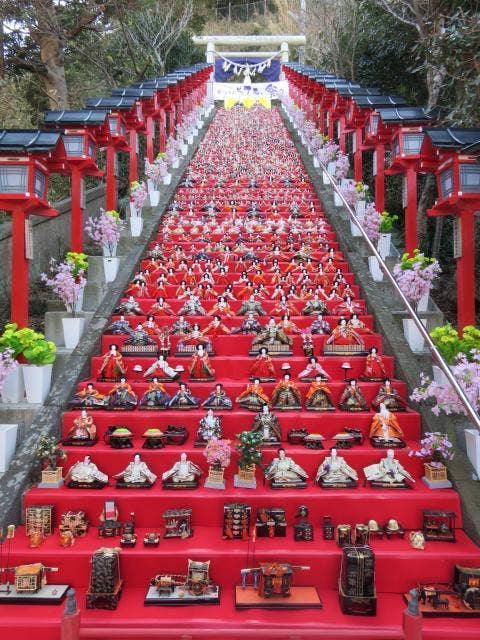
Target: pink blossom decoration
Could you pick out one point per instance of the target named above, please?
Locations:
(64, 284)
(416, 281)
(436, 446)
(105, 230)
(7, 364)
(218, 452)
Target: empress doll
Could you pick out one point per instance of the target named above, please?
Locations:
(113, 366)
(262, 367)
(200, 367)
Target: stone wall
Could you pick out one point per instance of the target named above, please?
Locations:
(51, 238)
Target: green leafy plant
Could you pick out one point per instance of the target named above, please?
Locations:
(418, 258)
(470, 341)
(50, 452)
(29, 343)
(450, 344)
(12, 339)
(248, 448)
(78, 262)
(386, 222)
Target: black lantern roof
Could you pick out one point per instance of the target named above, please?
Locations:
(161, 83)
(340, 83)
(112, 102)
(28, 140)
(373, 101)
(133, 92)
(404, 115)
(75, 117)
(452, 138)
(346, 92)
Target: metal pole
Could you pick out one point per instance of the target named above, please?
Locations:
(437, 357)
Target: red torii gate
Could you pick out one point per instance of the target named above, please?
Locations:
(25, 157)
(452, 155)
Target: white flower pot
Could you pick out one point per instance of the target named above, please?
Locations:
(72, 331)
(109, 252)
(190, 139)
(167, 178)
(136, 226)
(439, 376)
(8, 442)
(383, 244)
(316, 163)
(331, 167)
(150, 185)
(472, 442)
(110, 268)
(360, 207)
(176, 163)
(37, 382)
(184, 149)
(154, 198)
(422, 304)
(13, 389)
(354, 229)
(375, 271)
(337, 199)
(79, 302)
(412, 335)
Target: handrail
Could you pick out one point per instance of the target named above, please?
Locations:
(437, 356)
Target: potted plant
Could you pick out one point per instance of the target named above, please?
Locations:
(11, 346)
(385, 233)
(217, 453)
(79, 266)
(327, 155)
(68, 287)
(155, 172)
(436, 450)
(40, 356)
(249, 456)
(8, 432)
(105, 232)
(138, 196)
(50, 453)
(415, 275)
(171, 154)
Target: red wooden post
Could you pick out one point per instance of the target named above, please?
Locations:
(163, 133)
(342, 136)
(111, 197)
(466, 271)
(380, 178)
(150, 134)
(330, 131)
(76, 223)
(20, 269)
(321, 120)
(132, 156)
(357, 156)
(411, 238)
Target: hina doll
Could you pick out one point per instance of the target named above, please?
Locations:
(314, 306)
(388, 472)
(129, 307)
(287, 326)
(251, 306)
(268, 425)
(140, 338)
(181, 327)
(221, 308)
(216, 328)
(88, 398)
(183, 474)
(319, 396)
(352, 398)
(151, 327)
(358, 325)
(335, 472)
(263, 368)
(155, 397)
(285, 306)
(217, 399)
(183, 399)
(285, 395)
(270, 335)
(348, 307)
(162, 370)
(113, 367)
(283, 472)
(385, 430)
(253, 398)
(209, 427)
(390, 397)
(119, 327)
(138, 289)
(161, 308)
(320, 326)
(342, 336)
(83, 431)
(192, 307)
(200, 367)
(312, 370)
(86, 474)
(374, 367)
(195, 338)
(136, 474)
(122, 396)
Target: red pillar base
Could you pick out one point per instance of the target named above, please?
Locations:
(20, 271)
